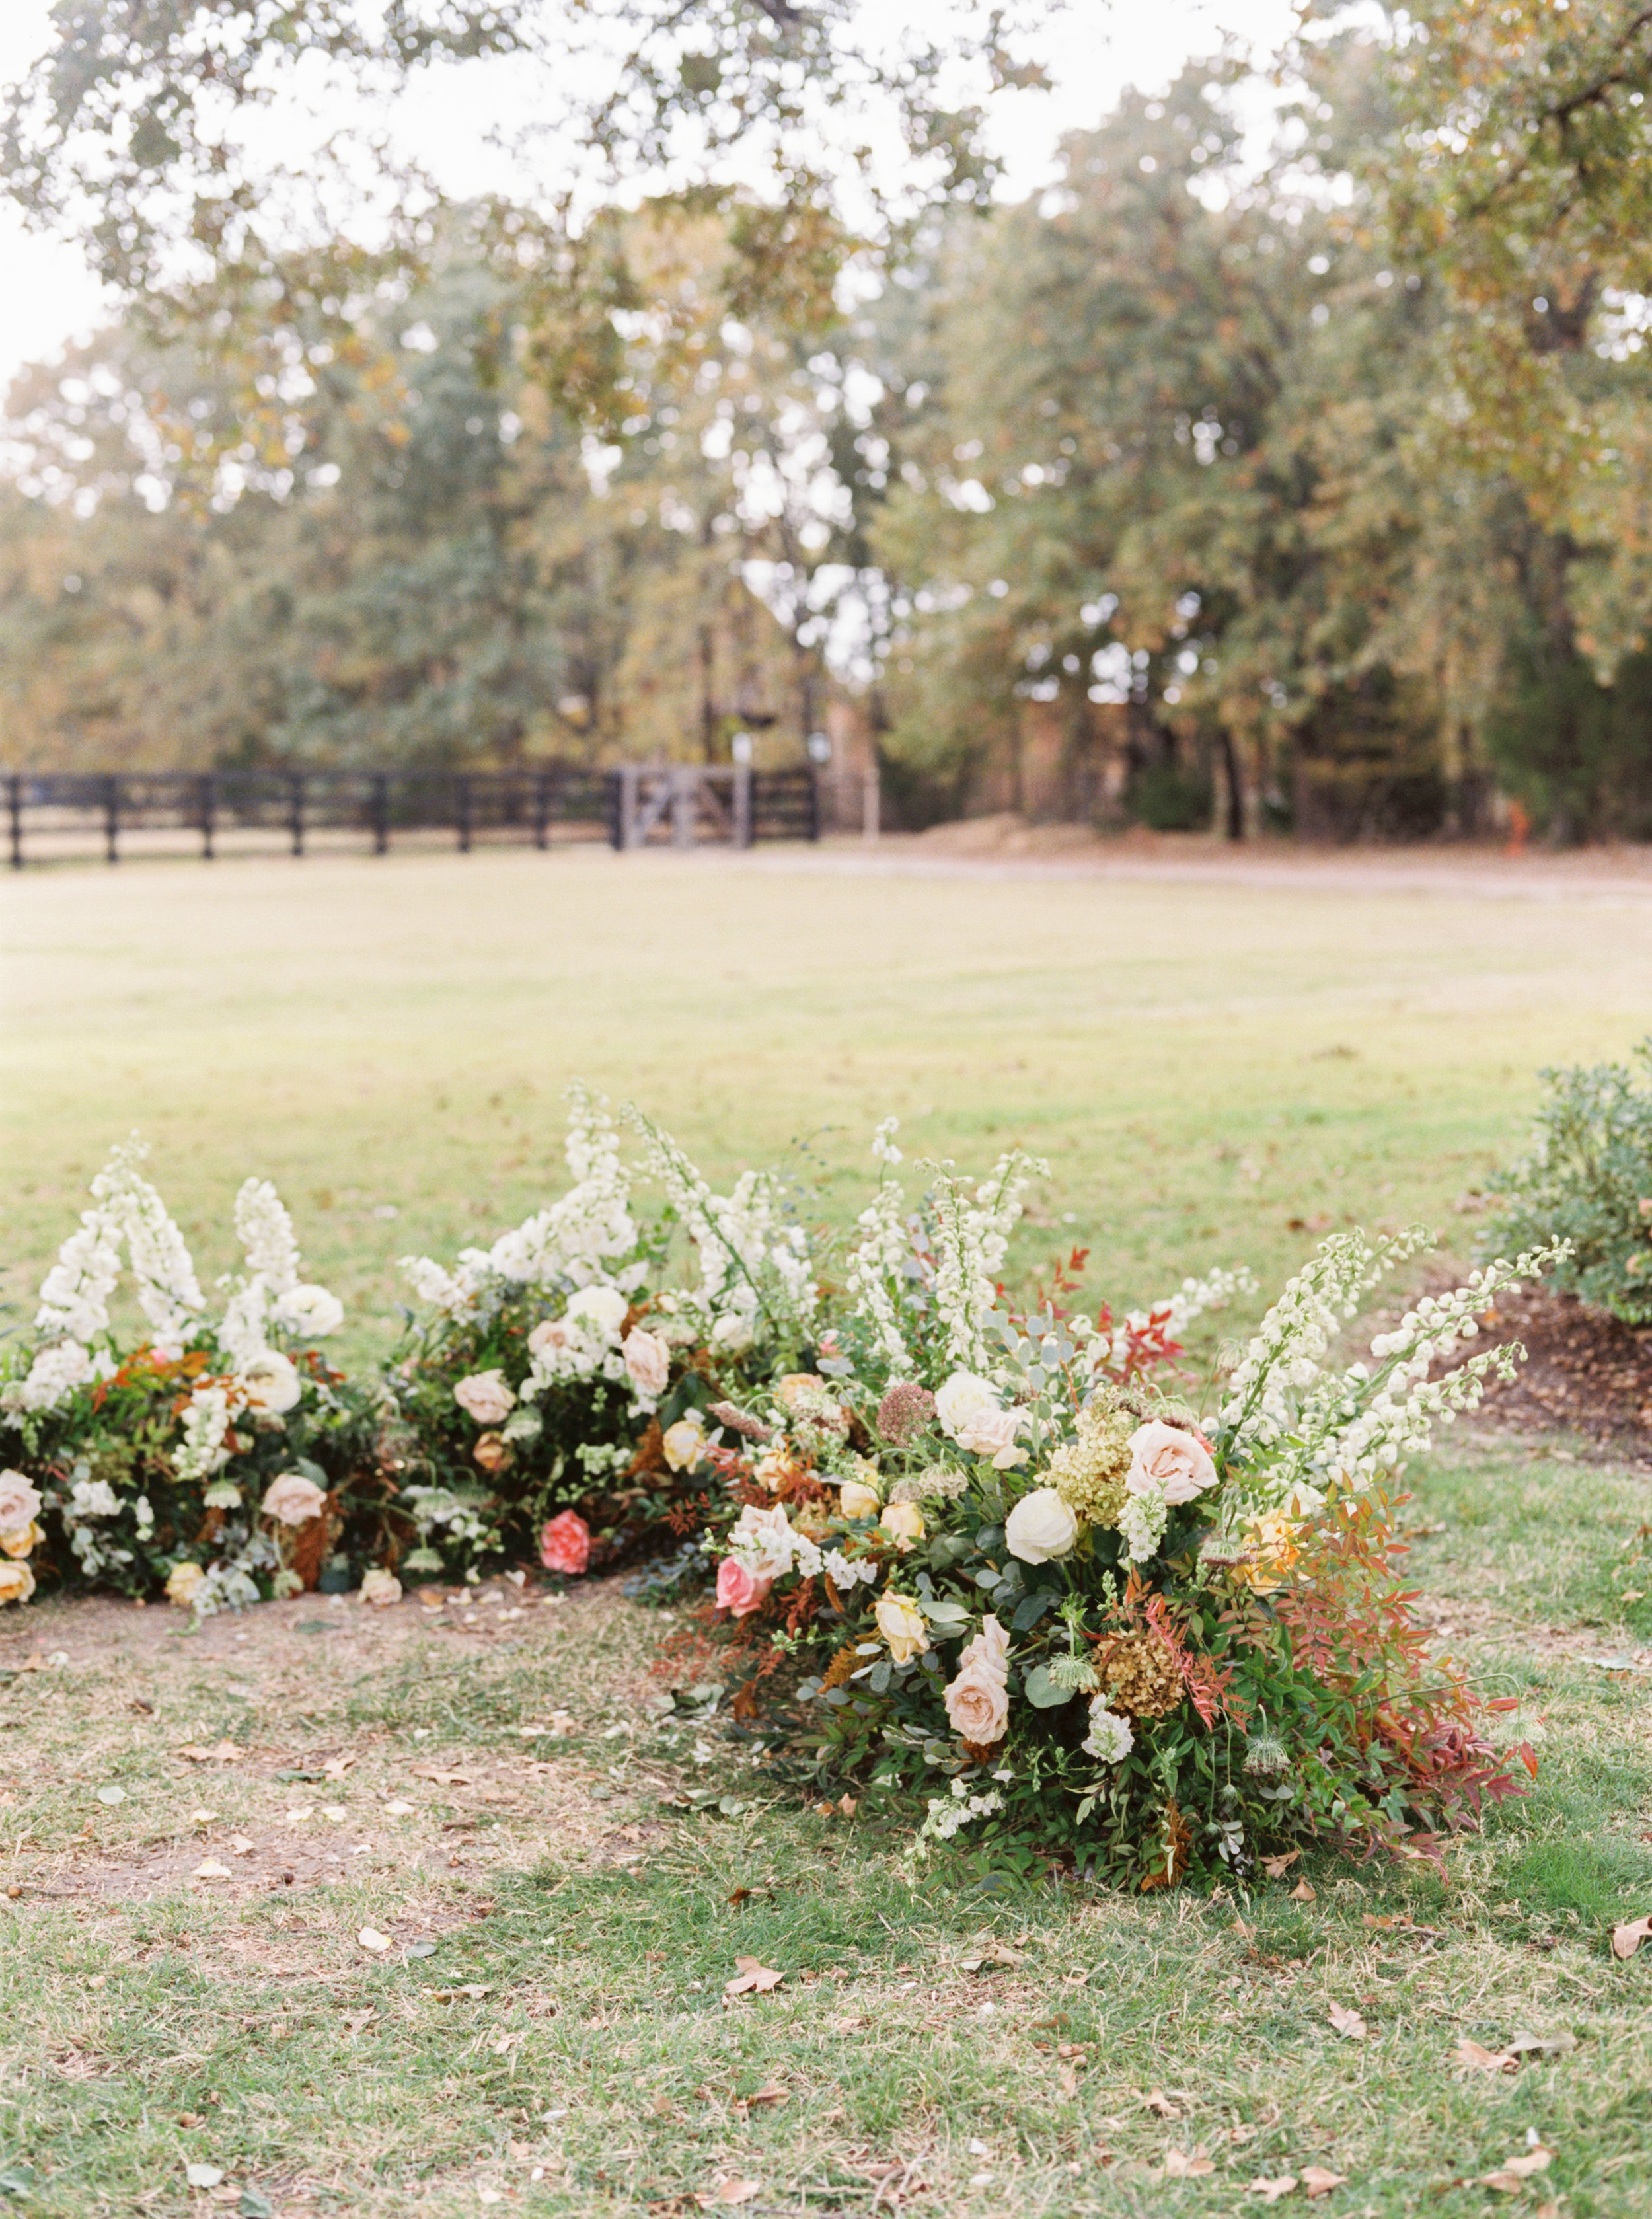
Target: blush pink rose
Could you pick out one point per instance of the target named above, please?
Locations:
(648, 1359)
(565, 1544)
(739, 1588)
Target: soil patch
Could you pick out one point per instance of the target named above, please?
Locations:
(1584, 1371)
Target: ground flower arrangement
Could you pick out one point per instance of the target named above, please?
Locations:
(1002, 1563)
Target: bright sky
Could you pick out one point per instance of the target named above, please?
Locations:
(50, 296)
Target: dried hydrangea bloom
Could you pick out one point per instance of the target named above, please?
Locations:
(935, 1479)
(1138, 1675)
(1090, 1473)
(906, 1411)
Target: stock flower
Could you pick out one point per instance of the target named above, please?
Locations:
(683, 1443)
(270, 1382)
(1109, 1737)
(1039, 1527)
(20, 1501)
(493, 1452)
(293, 1498)
(380, 1588)
(182, 1583)
(648, 1359)
(902, 1626)
(565, 1544)
(741, 1587)
(1166, 1461)
(904, 1522)
(16, 1580)
(977, 1698)
(485, 1396)
(310, 1311)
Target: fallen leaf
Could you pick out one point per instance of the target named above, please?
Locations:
(224, 1752)
(1348, 2023)
(1068, 2079)
(732, 2191)
(191, 2119)
(663, 2108)
(752, 1974)
(355, 2021)
(302, 1816)
(336, 1767)
(1271, 2191)
(202, 1817)
(203, 2176)
(241, 1845)
(111, 1795)
(1244, 2133)
(849, 1805)
(1383, 1919)
(443, 1779)
(398, 1810)
(1627, 1939)
(1510, 2175)
(487, 2193)
(209, 1868)
(505, 2044)
(370, 1938)
(1302, 1892)
(1157, 2100)
(772, 2092)
(1185, 2164)
(335, 1812)
(1470, 2054)
(741, 1895)
(1276, 1867)
(1318, 2182)
(1542, 2045)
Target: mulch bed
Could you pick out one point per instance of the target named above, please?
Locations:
(1584, 1371)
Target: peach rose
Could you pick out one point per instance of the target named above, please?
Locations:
(1167, 1462)
(682, 1442)
(22, 1539)
(904, 1522)
(485, 1396)
(902, 1626)
(565, 1544)
(493, 1452)
(16, 1580)
(856, 1499)
(648, 1359)
(992, 1433)
(739, 1590)
(181, 1583)
(380, 1588)
(978, 1698)
(292, 1499)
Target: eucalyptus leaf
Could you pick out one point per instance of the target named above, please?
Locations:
(1041, 1691)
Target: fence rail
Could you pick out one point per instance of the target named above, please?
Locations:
(62, 815)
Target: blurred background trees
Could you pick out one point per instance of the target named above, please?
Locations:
(1295, 486)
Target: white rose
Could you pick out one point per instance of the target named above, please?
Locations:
(992, 1433)
(1165, 1461)
(309, 1311)
(962, 1398)
(485, 1396)
(649, 1361)
(380, 1588)
(601, 1307)
(1040, 1527)
(272, 1382)
(20, 1501)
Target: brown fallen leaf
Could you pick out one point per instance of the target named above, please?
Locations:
(1476, 2059)
(1068, 2079)
(1510, 2176)
(1276, 1867)
(1271, 2191)
(1348, 2023)
(223, 1752)
(741, 1895)
(241, 1845)
(849, 1805)
(442, 1779)
(1318, 2182)
(1542, 2045)
(752, 1975)
(1157, 2100)
(209, 1868)
(772, 2092)
(355, 2021)
(336, 1767)
(1243, 2133)
(663, 2108)
(1628, 1938)
(1303, 1894)
(732, 2191)
(1185, 2164)
(1382, 1920)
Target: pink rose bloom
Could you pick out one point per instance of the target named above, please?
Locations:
(565, 1544)
(485, 1396)
(648, 1359)
(1165, 1460)
(739, 1588)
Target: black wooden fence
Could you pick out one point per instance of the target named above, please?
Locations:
(57, 815)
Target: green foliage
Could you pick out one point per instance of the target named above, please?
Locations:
(1587, 1179)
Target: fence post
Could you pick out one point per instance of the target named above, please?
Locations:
(112, 819)
(742, 834)
(542, 808)
(14, 811)
(295, 812)
(209, 796)
(381, 814)
(462, 813)
(812, 816)
(627, 807)
(871, 806)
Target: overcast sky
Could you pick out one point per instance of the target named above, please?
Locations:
(49, 295)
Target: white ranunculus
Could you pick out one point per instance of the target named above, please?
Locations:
(960, 1398)
(1165, 1460)
(271, 1382)
(1039, 1527)
(309, 1311)
(599, 1310)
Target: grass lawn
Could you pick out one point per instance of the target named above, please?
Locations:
(1202, 1065)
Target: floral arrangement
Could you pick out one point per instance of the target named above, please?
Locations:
(989, 1558)
(214, 1459)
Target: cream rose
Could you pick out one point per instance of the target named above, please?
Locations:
(992, 1433)
(683, 1443)
(271, 1382)
(16, 1580)
(856, 1499)
(485, 1396)
(309, 1311)
(21, 1540)
(902, 1626)
(380, 1588)
(598, 1309)
(181, 1584)
(1040, 1527)
(978, 1698)
(649, 1361)
(1168, 1463)
(293, 1498)
(20, 1501)
(904, 1521)
(960, 1398)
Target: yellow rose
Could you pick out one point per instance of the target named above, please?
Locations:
(17, 1581)
(904, 1520)
(19, 1542)
(681, 1444)
(182, 1583)
(856, 1499)
(1270, 1547)
(902, 1624)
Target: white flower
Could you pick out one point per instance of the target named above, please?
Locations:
(843, 1571)
(293, 1498)
(1039, 1527)
(961, 1397)
(1167, 1460)
(485, 1396)
(92, 1498)
(648, 1359)
(1142, 1521)
(54, 1375)
(379, 1589)
(883, 1143)
(20, 1501)
(601, 1308)
(270, 1382)
(310, 1311)
(993, 1433)
(1109, 1737)
(765, 1540)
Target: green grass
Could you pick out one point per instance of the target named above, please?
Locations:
(398, 1034)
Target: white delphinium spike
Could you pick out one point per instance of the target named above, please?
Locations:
(877, 1264)
(971, 1241)
(265, 1229)
(74, 1297)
